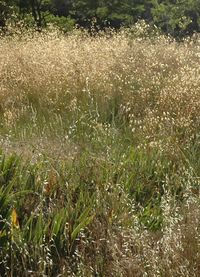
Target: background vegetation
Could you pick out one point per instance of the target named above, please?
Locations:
(100, 166)
(175, 17)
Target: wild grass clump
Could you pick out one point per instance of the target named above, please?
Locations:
(99, 169)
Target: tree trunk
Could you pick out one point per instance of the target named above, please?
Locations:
(36, 12)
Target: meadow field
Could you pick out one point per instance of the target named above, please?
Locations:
(100, 155)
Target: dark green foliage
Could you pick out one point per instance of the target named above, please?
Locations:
(177, 18)
(7, 10)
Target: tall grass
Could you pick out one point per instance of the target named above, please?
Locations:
(99, 169)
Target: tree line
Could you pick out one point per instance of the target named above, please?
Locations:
(175, 17)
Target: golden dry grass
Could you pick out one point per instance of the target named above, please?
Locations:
(131, 105)
(155, 84)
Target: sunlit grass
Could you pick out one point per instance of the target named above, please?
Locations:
(99, 169)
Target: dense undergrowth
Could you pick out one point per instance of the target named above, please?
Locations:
(100, 166)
